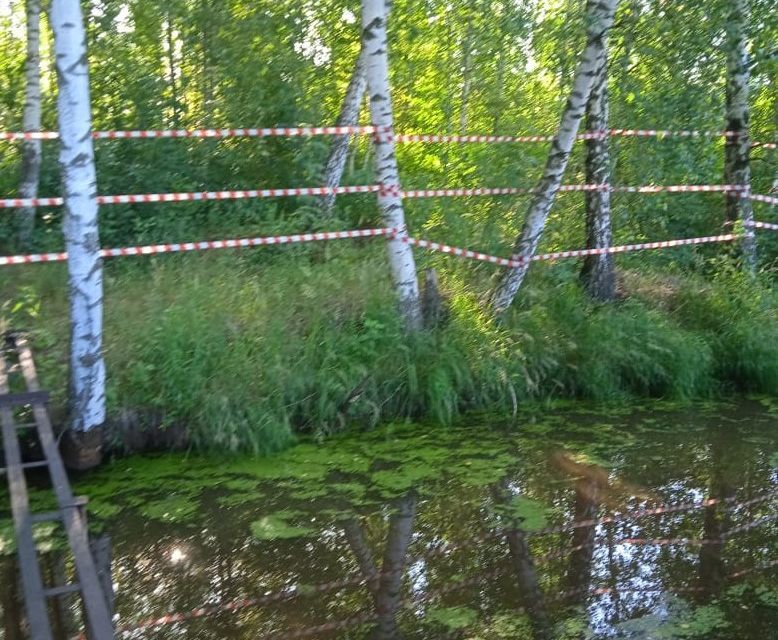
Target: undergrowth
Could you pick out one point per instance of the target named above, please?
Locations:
(246, 351)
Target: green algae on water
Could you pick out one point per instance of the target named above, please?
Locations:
(276, 526)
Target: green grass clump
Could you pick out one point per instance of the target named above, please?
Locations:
(247, 350)
(738, 315)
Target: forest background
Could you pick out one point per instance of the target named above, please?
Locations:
(246, 349)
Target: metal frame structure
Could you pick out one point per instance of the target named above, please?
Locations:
(70, 509)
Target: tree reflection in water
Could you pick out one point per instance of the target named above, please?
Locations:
(385, 586)
(443, 555)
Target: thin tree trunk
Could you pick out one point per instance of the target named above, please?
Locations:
(205, 43)
(171, 56)
(600, 18)
(524, 565)
(613, 570)
(401, 259)
(597, 273)
(349, 116)
(716, 520)
(588, 495)
(85, 269)
(361, 551)
(500, 88)
(387, 597)
(467, 64)
(101, 547)
(737, 169)
(31, 121)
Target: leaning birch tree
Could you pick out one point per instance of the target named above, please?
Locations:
(597, 273)
(599, 20)
(85, 271)
(31, 121)
(349, 117)
(401, 260)
(737, 170)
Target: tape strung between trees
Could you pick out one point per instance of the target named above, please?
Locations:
(77, 160)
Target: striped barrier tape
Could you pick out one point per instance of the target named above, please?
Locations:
(698, 541)
(369, 129)
(205, 133)
(197, 195)
(141, 198)
(760, 198)
(587, 135)
(501, 191)
(764, 225)
(364, 233)
(285, 595)
(205, 244)
(730, 504)
(517, 261)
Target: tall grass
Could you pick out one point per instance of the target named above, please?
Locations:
(246, 350)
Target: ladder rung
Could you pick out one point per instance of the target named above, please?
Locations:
(27, 465)
(45, 516)
(34, 464)
(27, 425)
(24, 398)
(62, 590)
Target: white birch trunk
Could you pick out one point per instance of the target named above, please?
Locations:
(737, 149)
(87, 370)
(401, 260)
(597, 274)
(599, 18)
(31, 121)
(467, 63)
(349, 117)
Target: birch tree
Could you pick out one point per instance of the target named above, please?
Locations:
(349, 117)
(597, 274)
(31, 121)
(85, 271)
(599, 19)
(401, 260)
(737, 170)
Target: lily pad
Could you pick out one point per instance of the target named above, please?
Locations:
(276, 527)
(453, 617)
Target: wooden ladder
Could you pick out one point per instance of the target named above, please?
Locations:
(70, 510)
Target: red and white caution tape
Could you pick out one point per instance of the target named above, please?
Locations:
(363, 130)
(502, 191)
(516, 261)
(587, 135)
(761, 198)
(363, 233)
(765, 225)
(206, 133)
(203, 245)
(357, 233)
(143, 198)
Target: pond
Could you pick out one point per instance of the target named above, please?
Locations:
(422, 531)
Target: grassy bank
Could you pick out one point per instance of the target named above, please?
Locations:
(248, 349)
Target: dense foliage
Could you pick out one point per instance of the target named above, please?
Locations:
(245, 349)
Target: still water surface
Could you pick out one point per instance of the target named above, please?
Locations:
(448, 524)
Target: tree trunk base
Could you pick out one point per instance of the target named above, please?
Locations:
(82, 450)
